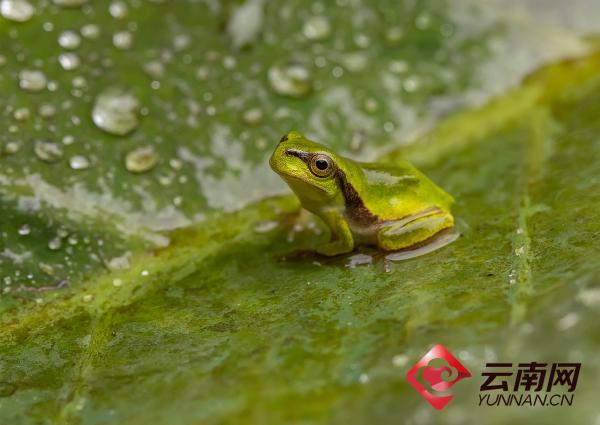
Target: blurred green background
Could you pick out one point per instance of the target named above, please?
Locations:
(148, 266)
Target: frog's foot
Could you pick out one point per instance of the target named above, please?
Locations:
(336, 248)
(342, 239)
(412, 230)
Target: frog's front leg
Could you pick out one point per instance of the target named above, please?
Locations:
(342, 240)
(411, 230)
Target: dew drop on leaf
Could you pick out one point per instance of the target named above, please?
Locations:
(32, 80)
(122, 40)
(141, 159)
(79, 162)
(90, 31)
(292, 80)
(69, 40)
(317, 28)
(48, 151)
(118, 9)
(116, 112)
(69, 61)
(16, 10)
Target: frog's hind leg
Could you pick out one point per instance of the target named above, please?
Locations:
(413, 229)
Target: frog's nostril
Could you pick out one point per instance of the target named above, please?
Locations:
(283, 139)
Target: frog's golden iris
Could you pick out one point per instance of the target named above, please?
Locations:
(391, 206)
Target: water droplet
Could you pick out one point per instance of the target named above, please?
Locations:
(394, 35)
(359, 260)
(48, 151)
(229, 62)
(119, 263)
(72, 240)
(79, 82)
(423, 21)
(355, 62)
(265, 226)
(16, 10)
(176, 164)
(11, 148)
(411, 84)
(47, 111)
(32, 80)
(69, 3)
(90, 31)
(398, 66)
(371, 105)
(116, 112)
(141, 159)
(79, 162)
(155, 69)
(21, 114)
(69, 40)
(202, 73)
(253, 116)
(337, 71)
(68, 139)
(589, 297)
(47, 269)
(181, 41)
(122, 40)
(292, 80)
(69, 61)
(317, 28)
(24, 230)
(400, 360)
(118, 9)
(447, 29)
(567, 322)
(362, 40)
(55, 243)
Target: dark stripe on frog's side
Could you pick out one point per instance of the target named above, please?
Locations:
(356, 211)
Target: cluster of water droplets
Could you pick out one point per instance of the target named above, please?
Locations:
(197, 118)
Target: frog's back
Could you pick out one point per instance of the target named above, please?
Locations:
(393, 191)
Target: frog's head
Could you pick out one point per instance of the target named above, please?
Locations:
(309, 168)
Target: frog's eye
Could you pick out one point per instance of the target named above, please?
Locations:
(321, 165)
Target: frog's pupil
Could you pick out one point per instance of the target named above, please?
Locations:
(321, 164)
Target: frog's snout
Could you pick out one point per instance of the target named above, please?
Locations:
(284, 138)
(291, 136)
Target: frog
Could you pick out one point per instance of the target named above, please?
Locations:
(391, 206)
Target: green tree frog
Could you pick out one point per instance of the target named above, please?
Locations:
(391, 206)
